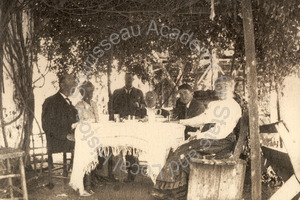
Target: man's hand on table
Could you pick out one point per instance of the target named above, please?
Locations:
(137, 105)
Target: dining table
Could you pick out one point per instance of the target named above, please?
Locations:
(150, 140)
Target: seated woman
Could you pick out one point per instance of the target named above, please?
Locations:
(88, 112)
(87, 108)
(151, 102)
(223, 116)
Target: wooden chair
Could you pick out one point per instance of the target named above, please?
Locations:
(65, 165)
(291, 187)
(220, 178)
(7, 154)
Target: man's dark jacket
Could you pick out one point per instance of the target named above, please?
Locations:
(125, 103)
(182, 112)
(57, 119)
(195, 108)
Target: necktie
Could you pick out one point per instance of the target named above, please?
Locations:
(185, 112)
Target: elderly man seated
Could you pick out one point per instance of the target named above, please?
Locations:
(223, 116)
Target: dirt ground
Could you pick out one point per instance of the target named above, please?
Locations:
(108, 189)
(139, 189)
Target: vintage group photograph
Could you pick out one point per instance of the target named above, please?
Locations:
(150, 99)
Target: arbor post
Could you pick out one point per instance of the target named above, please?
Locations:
(252, 99)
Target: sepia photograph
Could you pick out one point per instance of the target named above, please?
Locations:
(150, 99)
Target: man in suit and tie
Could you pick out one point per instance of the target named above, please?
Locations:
(58, 115)
(128, 100)
(187, 107)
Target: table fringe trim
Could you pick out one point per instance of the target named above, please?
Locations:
(104, 152)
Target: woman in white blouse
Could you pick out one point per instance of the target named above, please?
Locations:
(222, 116)
(87, 108)
(88, 112)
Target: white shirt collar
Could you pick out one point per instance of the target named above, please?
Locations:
(188, 104)
(128, 90)
(65, 97)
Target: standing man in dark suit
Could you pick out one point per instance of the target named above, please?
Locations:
(129, 100)
(58, 115)
(187, 107)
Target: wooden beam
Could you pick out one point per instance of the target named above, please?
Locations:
(23, 179)
(9, 176)
(252, 100)
(288, 191)
(291, 143)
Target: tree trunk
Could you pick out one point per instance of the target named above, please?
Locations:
(6, 7)
(1, 102)
(28, 126)
(19, 48)
(110, 100)
(25, 31)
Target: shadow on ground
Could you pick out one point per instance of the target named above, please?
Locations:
(138, 190)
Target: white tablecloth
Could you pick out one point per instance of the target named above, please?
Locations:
(153, 140)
